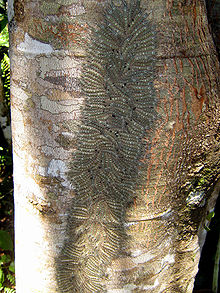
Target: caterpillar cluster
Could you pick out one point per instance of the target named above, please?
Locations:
(117, 82)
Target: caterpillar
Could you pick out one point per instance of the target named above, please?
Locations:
(117, 82)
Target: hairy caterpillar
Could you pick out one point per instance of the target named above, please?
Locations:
(119, 108)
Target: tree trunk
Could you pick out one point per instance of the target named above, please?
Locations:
(115, 116)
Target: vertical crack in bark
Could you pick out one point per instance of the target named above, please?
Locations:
(117, 82)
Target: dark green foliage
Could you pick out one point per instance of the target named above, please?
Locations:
(7, 269)
(7, 278)
(205, 275)
(213, 13)
(4, 45)
(4, 39)
(119, 109)
(4, 72)
(5, 241)
(5, 75)
(3, 15)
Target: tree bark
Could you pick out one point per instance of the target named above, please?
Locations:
(151, 223)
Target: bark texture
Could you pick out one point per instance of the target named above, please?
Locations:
(115, 114)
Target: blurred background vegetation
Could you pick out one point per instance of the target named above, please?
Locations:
(7, 270)
(210, 259)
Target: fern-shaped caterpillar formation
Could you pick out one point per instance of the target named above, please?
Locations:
(117, 82)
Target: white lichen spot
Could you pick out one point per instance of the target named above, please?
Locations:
(168, 259)
(56, 108)
(170, 125)
(196, 198)
(58, 168)
(56, 128)
(42, 170)
(143, 258)
(75, 10)
(136, 252)
(33, 47)
(68, 134)
(128, 224)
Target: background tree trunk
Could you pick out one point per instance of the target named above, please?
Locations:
(164, 222)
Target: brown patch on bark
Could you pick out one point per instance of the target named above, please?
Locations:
(198, 100)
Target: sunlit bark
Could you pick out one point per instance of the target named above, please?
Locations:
(164, 222)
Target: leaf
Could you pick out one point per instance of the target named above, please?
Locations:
(210, 216)
(11, 278)
(12, 267)
(5, 241)
(2, 276)
(3, 23)
(4, 38)
(9, 290)
(207, 228)
(5, 258)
